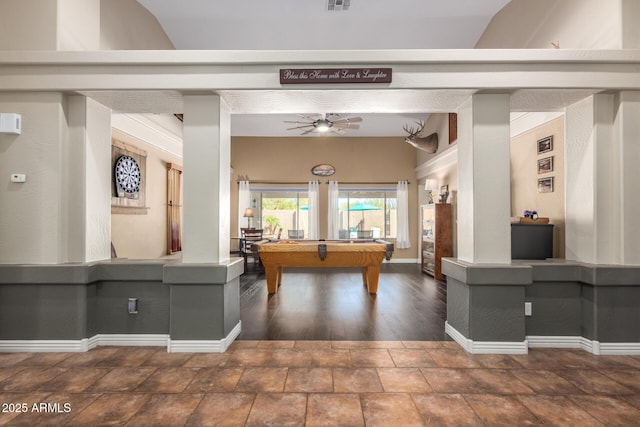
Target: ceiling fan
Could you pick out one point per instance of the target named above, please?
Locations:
(325, 123)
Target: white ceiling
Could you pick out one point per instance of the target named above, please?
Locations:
(308, 25)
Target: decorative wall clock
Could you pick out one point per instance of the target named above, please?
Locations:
(323, 170)
(127, 175)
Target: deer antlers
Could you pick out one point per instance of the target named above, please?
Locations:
(427, 143)
(413, 132)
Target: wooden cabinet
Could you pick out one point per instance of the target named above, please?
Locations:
(436, 237)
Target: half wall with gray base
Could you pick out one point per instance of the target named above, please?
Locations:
(75, 307)
(573, 305)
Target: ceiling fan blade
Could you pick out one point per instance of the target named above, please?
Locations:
(301, 127)
(310, 118)
(298, 122)
(307, 131)
(346, 126)
(348, 120)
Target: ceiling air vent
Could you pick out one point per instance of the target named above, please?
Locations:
(338, 4)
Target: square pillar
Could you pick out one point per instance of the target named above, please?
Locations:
(628, 128)
(602, 178)
(207, 174)
(484, 183)
(87, 214)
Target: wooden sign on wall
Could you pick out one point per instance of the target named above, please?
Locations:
(334, 75)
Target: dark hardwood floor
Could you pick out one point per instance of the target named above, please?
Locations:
(333, 304)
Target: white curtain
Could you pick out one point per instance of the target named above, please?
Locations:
(314, 210)
(244, 202)
(333, 220)
(402, 238)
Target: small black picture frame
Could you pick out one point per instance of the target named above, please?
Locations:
(545, 165)
(545, 185)
(545, 145)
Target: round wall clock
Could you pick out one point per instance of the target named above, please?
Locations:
(323, 170)
(127, 174)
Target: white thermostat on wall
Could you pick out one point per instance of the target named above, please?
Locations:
(10, 123)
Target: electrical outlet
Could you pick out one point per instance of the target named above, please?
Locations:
(528, 309)
(132, 306)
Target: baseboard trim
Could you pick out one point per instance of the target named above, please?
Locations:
(204, 346)
(486, 347)
(593, 347)
(85, 344)
(403, 261)
(42, 346)
(622, 348)
(138, 340)
(559, 342)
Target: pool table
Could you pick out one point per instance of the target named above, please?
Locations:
(366, 253)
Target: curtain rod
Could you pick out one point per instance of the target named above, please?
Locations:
(320, 182)
(278, 182)
(372, 183)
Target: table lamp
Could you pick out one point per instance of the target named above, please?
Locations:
(248, 213)
(429, 186)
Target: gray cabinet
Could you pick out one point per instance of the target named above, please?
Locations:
(531, 241)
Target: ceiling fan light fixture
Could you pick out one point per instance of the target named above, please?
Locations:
(323, 125)
(326, 123)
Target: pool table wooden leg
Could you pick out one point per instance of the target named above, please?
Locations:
(279, 276)
(365, 280)
(271, 274)
(374, 274)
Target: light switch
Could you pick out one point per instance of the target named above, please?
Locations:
(528, 309)
(18, 177)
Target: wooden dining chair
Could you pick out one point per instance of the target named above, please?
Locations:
(249, 236)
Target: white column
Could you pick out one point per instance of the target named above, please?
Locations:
(602, 179)
(591, 181)
(630, 15)
(628, 126)
(207, 170)
(87, 176)
(484, 195)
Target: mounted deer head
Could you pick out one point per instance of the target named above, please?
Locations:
(427, 143)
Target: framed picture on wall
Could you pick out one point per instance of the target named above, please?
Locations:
(545, 185)
(545, 165)
(453, 127)
(545, 144)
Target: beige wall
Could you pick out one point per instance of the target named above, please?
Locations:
(524, 178)
(446, 175)
(126, 24)
(355, 159)
(144, 236)
(575, 24)
(28, 24)
(79, 25)
(31, 227)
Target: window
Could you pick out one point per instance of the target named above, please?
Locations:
(367, 213)
(281, 212)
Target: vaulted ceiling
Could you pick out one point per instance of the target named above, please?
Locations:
(309, 25)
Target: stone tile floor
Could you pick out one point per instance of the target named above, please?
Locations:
(319, 383)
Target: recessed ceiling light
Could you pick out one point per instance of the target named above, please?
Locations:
(336, 5)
